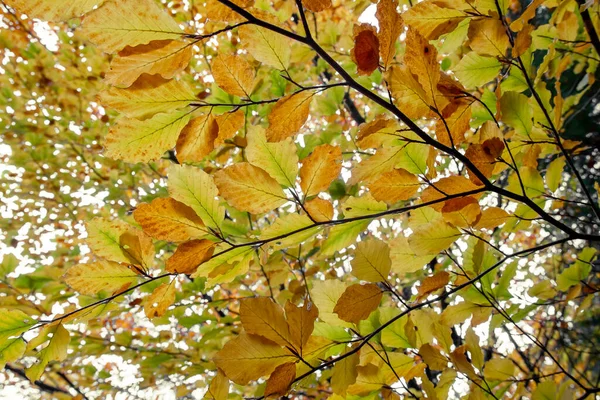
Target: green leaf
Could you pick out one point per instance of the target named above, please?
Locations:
(516, 112)
(474, 70)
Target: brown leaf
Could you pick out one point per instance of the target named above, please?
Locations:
(462, 212)
(483, 156)
(432, 356)
(317, 5)
(366, 49)
(189, 256)
(262, 316)
(358, 302)
(433, 283)
(523, 41)
(280, 380)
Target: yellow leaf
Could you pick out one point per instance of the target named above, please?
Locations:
(404, 260)
(224, 266)
(431, 20)
(136, 141)
(280, 380)
(472, 341)
(218, 388)
(11, 350)
(229, 123)
(319, 209)
(116, 24)
(317, 5)
(390, 27)
(104, 238)
(379, 132)
(249, 357)
(279, 159)
(499, 369)
(163, 57)
(100, 276)
(149, 95)
(433, 283)
(197, 139)
(408, 94)
(362, 206)
(393, 186)
(458, 313)
(491, 218)
(283, 228)
(13, 323)
(432, 356)
(288, 116)
(301, 322)
(196, 189)
(487, 37)
(161, 298)
(365, 53)
(233, 74)
(249, 188)
(344, 373)
(261, 316)
(433, 238)
(358, 302)
(320, 169)
(56, 350)
(52, 10)
(420, 58)
(189, 256)
(451, 131)
(266, 46)
(168, 219)
(371, 168)
(372, 261)
(528, 14)
(463, 212)
(451, 185)
(325, 295)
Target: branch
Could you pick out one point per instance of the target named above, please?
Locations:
(589, 27)
(44, 387)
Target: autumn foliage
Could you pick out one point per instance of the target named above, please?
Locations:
(313, 199)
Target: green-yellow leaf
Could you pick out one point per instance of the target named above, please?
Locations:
(56, 349)
(278, 159)
(52, 10)
(499, 369)
(433, 238)
(100, 276)
(372, 261)
(554, 173)
(13, 323)
(266, 46)
(516, 112)
(474, 70)
(11, 350)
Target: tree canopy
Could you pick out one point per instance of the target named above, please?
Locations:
(312, 199)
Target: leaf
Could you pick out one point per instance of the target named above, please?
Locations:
(117, 24)
(456, 121)
(420, 58)
(160, 300)
(160, 57)
(261, 316)
(266, 46)
(301, 322)
(390, 27)
(197, 139)
(229, 123)
(516, 112)
(404, 259)
(320, 168)
(463, 212)
(51, 10)
(325, 295)
(136, 141)
(393, 186)
(225, 258)
(288, 116)
(196, 189)
(433, 238)
(358, 302)
(343, 235)
(317, 5)
(578, 271)
(451, 185)
(283, 227)
(218, 388)
(431, 20)
(372, 261)
(554, 173)
(492, 218)
(280, 380)
(99, 276)
(365, 53)
(11, 350)
(499, 369)
(13, 323)
(169, 219)
(104, 239)
(408, 94)
(189, 256)
(432, 356)
(234, 75)
(474, 71)
(472, 341)
(344, 373)
(319, 209)
(279, 159)
(56, 349)
(487, 37)
(149, 95)
(433, 283)
(362, 206)
(249, 188)
(137, 247)
(248, 357)
(483, 156)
